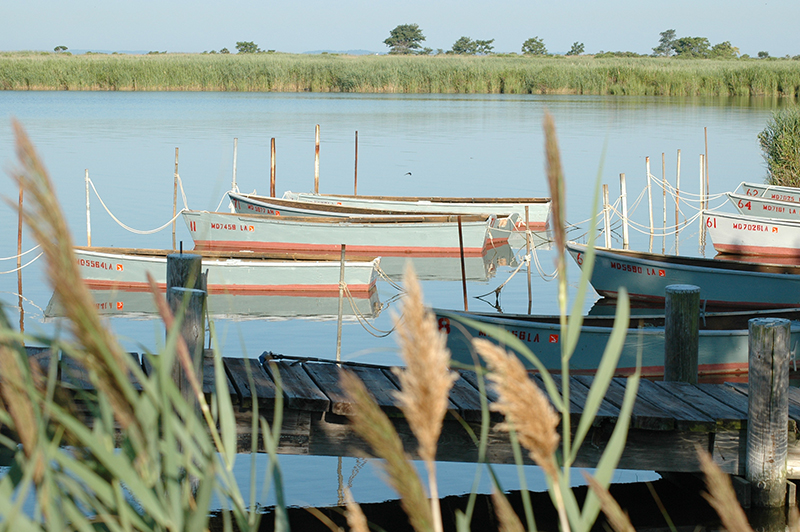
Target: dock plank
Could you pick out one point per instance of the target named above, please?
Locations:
(687, 417)
(579, 393)
(240, 372)
(299, 390)
(725, 417)
(328, 378)
(645, 415)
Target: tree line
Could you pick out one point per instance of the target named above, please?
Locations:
(408, 38)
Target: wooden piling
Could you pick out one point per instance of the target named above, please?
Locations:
(463, 265)
(677, 200)
(528, 255)
(664, 186)
(768, 410)
(606, 221)
(341, 305)
(234, 186)
(681, 332)
(186, 286)
(649, 200)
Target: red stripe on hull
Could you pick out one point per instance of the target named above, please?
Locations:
(708, 302)
(708, 372)
(757, 250)
(533, 226)
(359, 291)
(336, 250)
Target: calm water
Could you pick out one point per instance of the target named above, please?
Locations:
(408, 145)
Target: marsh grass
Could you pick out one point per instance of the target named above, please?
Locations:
(445, 74)
(780, 146)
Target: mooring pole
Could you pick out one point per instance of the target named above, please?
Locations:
(606, 221)
(88, 214)
(528, 251)
(19, 266)
(463, 266)
(623, 192)
(186, 285)
(341, 303)
(664, 184)
(355, 176)
(272, 168)
(316, 160)
(681, 332)
(767, 410)
(234, 186)
(174, 198)
(677, 200)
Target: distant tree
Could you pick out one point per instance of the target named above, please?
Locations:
(577, 48)
(534, 46)
(465, 46)
(484, 47)
(224, 51)
(724, 50)
(59, 49)
(763, 55)
(404, 39)
(425, 51)
(691, 47)
(665, 44)
(247, 47)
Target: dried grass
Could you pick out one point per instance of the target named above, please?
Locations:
(721, 495)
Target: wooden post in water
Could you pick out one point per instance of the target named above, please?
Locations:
(355, 174)
(19, 265)
(664, 185)
(705, 168)
(272, 168)
(703, 205)
(528, 251)
(316, 160)
(234, 186)
(677, 200)
(174, 198)
(623, 192)
(88, 213)
(650, 200)
(185, 283)
(768, 410)
(463, 266)
(341, 302)
(681, 336)
(606, 221)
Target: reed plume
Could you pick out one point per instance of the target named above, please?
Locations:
(356, 519)
(721, 496)
(507, 517)
(617, 517)
(523, 404)
(101, 355)
(372, 424)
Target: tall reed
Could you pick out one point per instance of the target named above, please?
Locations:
(445, 74)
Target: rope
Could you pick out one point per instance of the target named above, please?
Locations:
(21, 254)
(132, 230)
(383, 275)
(522, 263)
(363, 320)
(24, 265)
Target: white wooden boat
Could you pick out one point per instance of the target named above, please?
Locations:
(765, 207)
(722, 346)
(750, 235)
(432, 236)
(538, 208)
(500, 229)
(112, 268)
(137, 304)
(780, 193)
(722, 283)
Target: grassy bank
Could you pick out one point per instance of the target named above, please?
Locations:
(399, 74)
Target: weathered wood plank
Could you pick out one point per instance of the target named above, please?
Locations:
(299, 390)
(240, 371)
(467, 401)
(645, 415)
(794, 407)
(295, 431)
(579, 393)
(74, 376)
(328, 378)
(209, 379)
(687, 417)
(474, 379)
(395, 379)
(725, 417)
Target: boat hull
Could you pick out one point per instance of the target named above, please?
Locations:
(722, 283)
(325, 236)
(720, 352)
(750, 235)
(538, 208)
(790, 194)
(762, 207)
(107, 270)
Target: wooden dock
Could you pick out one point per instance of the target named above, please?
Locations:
(670, 420)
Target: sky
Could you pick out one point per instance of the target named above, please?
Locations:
(298, 26)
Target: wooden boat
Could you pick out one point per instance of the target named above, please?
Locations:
(765, 207)
(538, 208)
(750, 235)
(736, 284)
(137, 304)
(432, 236)
(113, 268)
(780, 193)
(723, 339)
(500, 228)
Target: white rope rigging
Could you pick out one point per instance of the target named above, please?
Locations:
(37, 246)
(24, 265)
(131, 229)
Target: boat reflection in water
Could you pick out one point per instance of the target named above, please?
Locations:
(236, 307)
